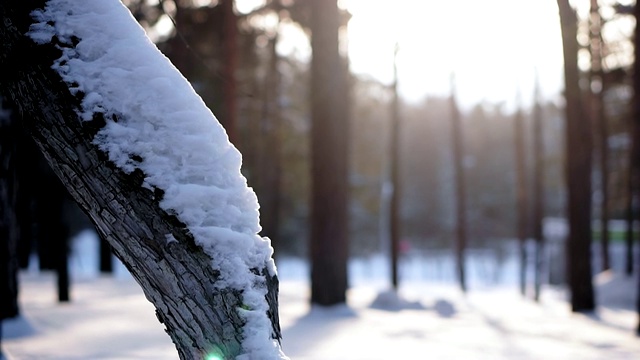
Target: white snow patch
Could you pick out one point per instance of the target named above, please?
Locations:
(164, 129)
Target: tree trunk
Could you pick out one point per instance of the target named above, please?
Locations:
(629, 216)
(230, 39)
(106, 260)
(271, 163)
(8, 221)
(329, 158)
(394, 203)
(599, 121)
(538, 191)
(521, 197)
(461, 197)
(634, 158)
(634, 169)
(578, 171)
(202, 318)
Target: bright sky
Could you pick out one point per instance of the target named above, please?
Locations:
(494, 46)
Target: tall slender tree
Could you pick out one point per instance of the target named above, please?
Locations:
(635, 155)
(8, 220)
(538, 189)
(461, 197)
(329, 158)
(599, 121)
(394, 149)
(634, 158)
(522, 199)
(230, 94)
(271, 127)
(578, 168)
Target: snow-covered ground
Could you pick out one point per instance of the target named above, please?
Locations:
(109, 318)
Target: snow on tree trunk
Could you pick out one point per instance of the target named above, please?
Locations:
(151, 166)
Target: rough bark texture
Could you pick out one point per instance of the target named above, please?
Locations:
(176, 277)
(578, 171)
(329, 158)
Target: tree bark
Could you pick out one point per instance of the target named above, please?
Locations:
(201, 318)
(578, 170)
(329, 158)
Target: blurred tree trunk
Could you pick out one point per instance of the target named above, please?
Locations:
(630, 216)
(106, 260)
(230, 93)
(329, 158)
(461, 196)
(538, 190)
(8, 220)
(634, 158)
(578, 171)
(634, 169)
(177, 277)
(271, 128)
(394, 149)
(521, 196)
(599, 121)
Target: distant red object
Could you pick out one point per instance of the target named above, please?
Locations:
(404, 246)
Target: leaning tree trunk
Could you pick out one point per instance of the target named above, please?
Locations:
(203, 318)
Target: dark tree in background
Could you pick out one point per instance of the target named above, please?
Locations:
(329, 158)
(394, 150)
(599, 122)
(230, 93)
(635, 155)
(8, 221)
(41, 208)
(538, 190)
(578, 170)
(522, 199)
(461, 196)
(270, 163)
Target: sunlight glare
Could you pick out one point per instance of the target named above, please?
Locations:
(493, 46)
